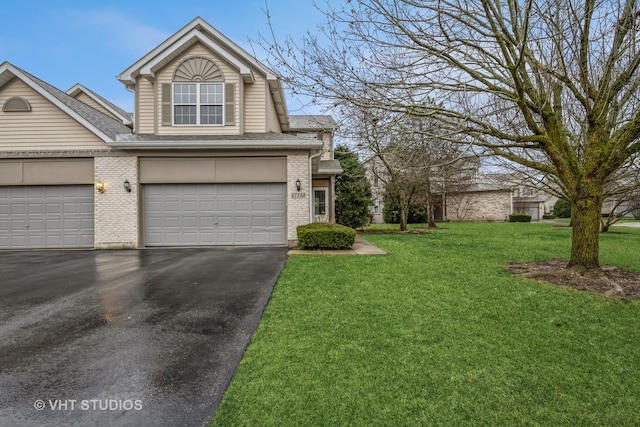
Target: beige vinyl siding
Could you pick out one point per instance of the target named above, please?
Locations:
(45, 127)
(255, 106)
(166, 76)
(145, 111)
(83, 97)
(273, 124)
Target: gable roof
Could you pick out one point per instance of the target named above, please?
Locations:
(126, 117)
(201, 31)
(311, 123)
(103, 126)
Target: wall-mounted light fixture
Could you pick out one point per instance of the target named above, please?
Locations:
(100, 187)
(127, 186)
(298, 184)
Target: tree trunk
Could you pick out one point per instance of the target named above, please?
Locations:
(431, 216)
(585, 218)
(403, 216)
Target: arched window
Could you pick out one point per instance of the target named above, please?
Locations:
(198, 93)
(16, 104)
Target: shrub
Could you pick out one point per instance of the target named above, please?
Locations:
(562, 209)
(325, 236)
(391, 213)
(519, 217)
(548, 216)
(353, 191)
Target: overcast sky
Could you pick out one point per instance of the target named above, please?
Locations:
(87, 42)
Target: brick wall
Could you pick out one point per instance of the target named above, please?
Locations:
(479, 206)
(298, 208)
(115, 210)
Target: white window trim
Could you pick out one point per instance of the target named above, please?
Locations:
(198, 105)
(326, 201)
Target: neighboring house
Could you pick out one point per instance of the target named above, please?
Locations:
(479, 202)
(209, 157)
(459, 194)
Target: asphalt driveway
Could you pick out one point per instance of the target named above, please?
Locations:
(116, 338)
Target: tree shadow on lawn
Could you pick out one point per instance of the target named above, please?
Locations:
(610, 281)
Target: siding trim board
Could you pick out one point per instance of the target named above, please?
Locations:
(165, 170)
(46, 171)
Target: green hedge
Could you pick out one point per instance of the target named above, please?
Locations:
(548, 216)
(325, 236)
(562, 209)
(519, 217)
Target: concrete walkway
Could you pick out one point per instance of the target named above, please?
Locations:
(360, 247)
(627, 224)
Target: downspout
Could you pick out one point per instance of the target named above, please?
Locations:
(311, 185)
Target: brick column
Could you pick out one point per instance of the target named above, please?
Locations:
(297, 208)
(116, 210)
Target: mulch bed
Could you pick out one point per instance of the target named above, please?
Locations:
(611, 281)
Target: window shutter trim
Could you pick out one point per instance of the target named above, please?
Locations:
(229, 104)
(166, 104)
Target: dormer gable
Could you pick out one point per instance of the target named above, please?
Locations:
(174, 97)
(89, 97)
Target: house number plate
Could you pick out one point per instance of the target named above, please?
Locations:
(298, 195)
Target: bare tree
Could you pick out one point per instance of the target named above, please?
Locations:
(548, 84)
(406, 155)
(623, 195)
(393, 160)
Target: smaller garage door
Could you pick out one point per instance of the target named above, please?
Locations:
(214, 214)
(33, 217)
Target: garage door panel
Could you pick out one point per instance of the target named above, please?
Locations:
(52, 208)
(242, 206)
(214, 214)
(224, 206)
(259, 221)
(207, 221)
(224, 221)
(241, 221)
(18, 209)
(46, 217)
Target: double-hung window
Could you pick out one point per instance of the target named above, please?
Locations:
(198, 103)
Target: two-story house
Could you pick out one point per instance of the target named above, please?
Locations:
(209, 157)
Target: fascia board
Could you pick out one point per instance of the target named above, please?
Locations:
(223, 145)
(198, 24)
(150, 68)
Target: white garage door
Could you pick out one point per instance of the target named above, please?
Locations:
(214, 214)
(33, 217)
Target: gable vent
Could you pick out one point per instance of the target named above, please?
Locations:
(197, 69)
(16, 104)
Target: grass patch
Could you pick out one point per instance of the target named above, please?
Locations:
(437, 333)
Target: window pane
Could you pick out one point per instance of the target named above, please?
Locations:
(320, 202)
(211, 115)
(211, 93)
(184, 93)
(184, 115)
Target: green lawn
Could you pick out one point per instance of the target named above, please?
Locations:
(436, 333)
